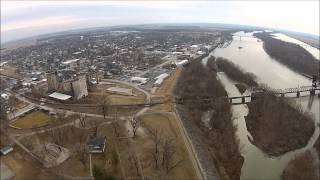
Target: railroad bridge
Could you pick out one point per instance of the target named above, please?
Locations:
(288, 92)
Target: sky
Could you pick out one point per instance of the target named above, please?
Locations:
(20, 19)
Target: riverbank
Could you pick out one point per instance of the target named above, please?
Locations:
(289, 54)
(235, 73)
(218, 142)
(277, 127)
(317, 146)
(243, 79)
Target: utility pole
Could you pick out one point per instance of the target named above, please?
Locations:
(319, 73)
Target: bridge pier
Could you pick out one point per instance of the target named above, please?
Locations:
(282, 94)
(243, 100)
(312, 92)
(298, 93)
(230, 100)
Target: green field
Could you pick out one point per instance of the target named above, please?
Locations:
(32, 120)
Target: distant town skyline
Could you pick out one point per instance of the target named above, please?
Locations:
(21, 19)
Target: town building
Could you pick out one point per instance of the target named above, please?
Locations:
(140, 80)
(160, 79)
(5, 150)
(96, 144)
(73, 85)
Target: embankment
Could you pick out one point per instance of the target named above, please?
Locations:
(218, 145)
(317, 145)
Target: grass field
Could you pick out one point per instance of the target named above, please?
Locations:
(34, 119)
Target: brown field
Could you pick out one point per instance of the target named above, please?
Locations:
(23, 167)
(167, 124)
(119, 148)
(100, 92)
(20, 163)
(10, 72)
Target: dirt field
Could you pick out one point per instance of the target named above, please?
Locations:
(21, 164)
(101, 91)
(10, 72)
(167, 124)
(34, 119)
(21, 104)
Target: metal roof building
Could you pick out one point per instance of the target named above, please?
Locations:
(60, 96)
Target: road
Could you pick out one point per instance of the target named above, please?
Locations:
(155, 67)
(191, 151)
(147, 94)
(190, 148)
(20, 111)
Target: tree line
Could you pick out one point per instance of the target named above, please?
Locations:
(290, 54)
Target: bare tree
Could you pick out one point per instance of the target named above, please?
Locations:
(35, 92)
(156, 137)
(169, 153)
(57, 136)
(104, 104)
(60, 116)
(135, 123)
(82, 154)
(12, 104)
(81, 136)
(134, 162)
(3, 116)
(115, 122)
(82, 120)
(94, 126)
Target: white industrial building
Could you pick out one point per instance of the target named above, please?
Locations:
(181, 63)
(60, 96)
(160, 79)
(140, 80)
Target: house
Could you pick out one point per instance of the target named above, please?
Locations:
(96, 144)
(5, 150)
(5, 96)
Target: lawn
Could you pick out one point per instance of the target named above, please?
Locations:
(34, 119)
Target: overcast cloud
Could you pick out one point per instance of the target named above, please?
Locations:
(23, 19)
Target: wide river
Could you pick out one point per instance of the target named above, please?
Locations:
(252, 58)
